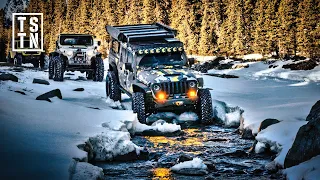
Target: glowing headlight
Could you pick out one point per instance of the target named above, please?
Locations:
(156, 87)
(90, 53)
(192, 84)
(69, 53)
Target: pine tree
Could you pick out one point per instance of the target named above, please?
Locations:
(260, 28)
(121, 11)
(287, 18)
(306, 25)
(239, 42)
(134, 13)
(271, 26)
(148, 11)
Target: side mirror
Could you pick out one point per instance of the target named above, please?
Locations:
(191, 61)
(99, 43)
(128, 67)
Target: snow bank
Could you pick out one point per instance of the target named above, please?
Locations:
(308, 170)
(107, 146)
(229, 116)
(253, 56)
(85, 171)
(172, 117)
(188, 116)
(195, 163)
(297, 75)
(279, 137)
(160, 125)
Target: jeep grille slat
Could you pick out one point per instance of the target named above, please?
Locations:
(175, 88)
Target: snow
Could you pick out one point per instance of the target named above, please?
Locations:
(229, 116)
(84, 171)
(107, 146)
(160, 125)
(188, 116)
(41, 132)
(253, 56)
(196, 163)
(308, 170)
(279, 137)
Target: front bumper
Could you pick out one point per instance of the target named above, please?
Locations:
(175, 104)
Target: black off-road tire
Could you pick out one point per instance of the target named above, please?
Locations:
(17, 61)
(112, 87)
(89, 74)
(139, 105)
(35, 63)
(51, 68)
(58, 69)
(204, 106)
(133, 104)
(99, 70)
(41, 60)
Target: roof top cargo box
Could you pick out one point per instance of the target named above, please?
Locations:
(141, 32)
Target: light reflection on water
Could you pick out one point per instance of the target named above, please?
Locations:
(161, 173)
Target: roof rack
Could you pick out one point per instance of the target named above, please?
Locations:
(130, 33)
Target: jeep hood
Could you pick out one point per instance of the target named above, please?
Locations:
(164, 75)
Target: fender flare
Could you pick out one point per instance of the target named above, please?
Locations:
(140, 87)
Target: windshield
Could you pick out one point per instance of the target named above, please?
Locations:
(153, 60)
(76, 40)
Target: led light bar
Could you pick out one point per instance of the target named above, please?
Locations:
(160, 50)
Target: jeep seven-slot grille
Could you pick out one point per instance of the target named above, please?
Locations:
(171, 88)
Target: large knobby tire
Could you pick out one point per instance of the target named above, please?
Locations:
(133, 104)
(99, 70)
(112, 86)
(58, 69)
(139, 105)
(17, 61)
(51, 68)
(205, 106)
(35, 63)
(42, 60)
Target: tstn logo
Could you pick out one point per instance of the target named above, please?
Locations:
(27, 32)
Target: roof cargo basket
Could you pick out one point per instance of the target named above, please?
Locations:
(140, 32)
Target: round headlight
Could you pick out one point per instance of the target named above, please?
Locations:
(69, 53)
(192, 84)
(156, 87)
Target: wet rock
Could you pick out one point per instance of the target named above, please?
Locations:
(168, 160)
(272, 167)
(191, 172)
(70, 74)
(79, 89)
(94, 108)
(304, 65)
(210, 165)
(20, 92)
(238, 66)
(216, 139)
(227, 76)
(184, 157)
(83, 170)
(237, 153)
(273, 66)
(40, 81)
(246, 133)
(46, 96)
(132, 156)
(8, 77)
(307, 142)
(151, 132)
(314, 112)
(267, 122)
(17, 69)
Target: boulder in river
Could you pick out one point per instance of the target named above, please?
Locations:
(304, 65)
(267, 122)
(20, 92)
(307, 142)
(8, 77)
(83, 170)
(46, 96)
(191, 171)
(40, 81)
(79, 89)
(314, 112)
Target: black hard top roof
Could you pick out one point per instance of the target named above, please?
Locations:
(76, 35)
(141, 32)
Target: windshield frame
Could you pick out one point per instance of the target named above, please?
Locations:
(155, 64)
(77, 38)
